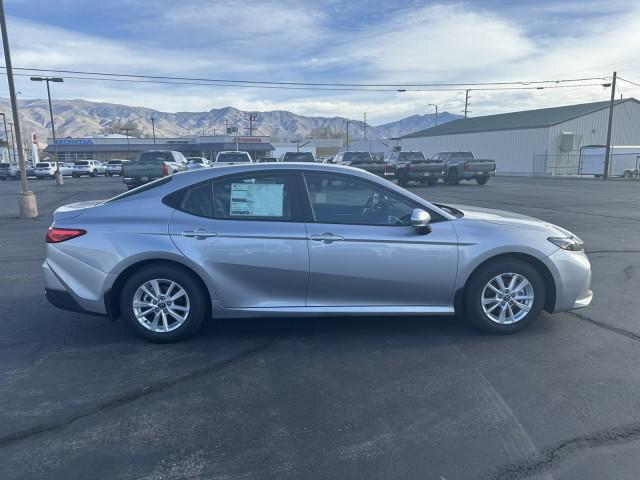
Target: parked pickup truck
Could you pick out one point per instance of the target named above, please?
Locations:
(232, 158)
(413, 166)
(364, 161)
(464, 166)
(297, 157)
(151, 165)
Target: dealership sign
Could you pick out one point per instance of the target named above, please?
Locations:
(248, 140)
(74, 141)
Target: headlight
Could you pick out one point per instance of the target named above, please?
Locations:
(573, 244)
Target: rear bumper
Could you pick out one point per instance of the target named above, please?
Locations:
(63, 300)
(425, 175)
(472, 175)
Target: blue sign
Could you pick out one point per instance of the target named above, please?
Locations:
(74, 141)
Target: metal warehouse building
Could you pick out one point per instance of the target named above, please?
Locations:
(534, 142)
(121, 147)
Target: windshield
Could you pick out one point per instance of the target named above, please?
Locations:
(357, 158)
(155, 157)
(81, 163)
(232, 157)
(412, 157)
(5, 165)
(462, 155)
(114, 162)
(195, 160)
(298, 157)
(42, 165)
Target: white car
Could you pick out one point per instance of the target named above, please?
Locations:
(48, 169)
(90, 168)
(195, 163)
(114, 167)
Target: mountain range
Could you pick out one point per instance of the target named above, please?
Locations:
(81, 118)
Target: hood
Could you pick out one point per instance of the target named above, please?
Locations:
(73, 210)
(502, 217)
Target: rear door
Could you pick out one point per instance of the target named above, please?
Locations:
(247, 232)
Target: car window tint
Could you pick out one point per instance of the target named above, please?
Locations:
(253, 197)
(344, 199)
(197, 200)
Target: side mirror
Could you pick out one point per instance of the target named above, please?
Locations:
(420, 219)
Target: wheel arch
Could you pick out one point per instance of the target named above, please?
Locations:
(539, 265)
(112, 295)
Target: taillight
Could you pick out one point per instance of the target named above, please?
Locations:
(57, 235)
(165, 170)
(466, 166)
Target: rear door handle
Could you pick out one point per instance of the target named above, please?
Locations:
(326, 238)
(198, 234)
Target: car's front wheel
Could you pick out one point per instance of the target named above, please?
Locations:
(504, 296)
(163, 303)
(482, 180)
(432, 181)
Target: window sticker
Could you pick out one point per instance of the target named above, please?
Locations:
(257, 200)
(320, 197)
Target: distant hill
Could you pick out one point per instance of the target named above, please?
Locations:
(76, 118)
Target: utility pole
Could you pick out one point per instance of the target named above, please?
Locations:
(436, 107)
(6, 133)
(607, 153)
(13, 148)
(153, 129)
(126, 131)
(466, 103)
(58, 176)
(364, 127)
(26, 200)
(252, 117)
(348, 122)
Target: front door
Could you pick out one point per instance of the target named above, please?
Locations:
(364, 252)
(245, 231)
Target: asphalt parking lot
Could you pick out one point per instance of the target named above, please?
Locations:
(425, 398)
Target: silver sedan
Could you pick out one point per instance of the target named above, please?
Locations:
(304, 239)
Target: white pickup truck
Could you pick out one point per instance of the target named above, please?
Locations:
(231, 158)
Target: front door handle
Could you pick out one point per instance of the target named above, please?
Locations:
(198, 234)
(326, 238)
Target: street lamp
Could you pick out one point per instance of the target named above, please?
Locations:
(436, 107)
(153, 128)
(13, 145)
(59, 180)
(348, 122)
(6, 136)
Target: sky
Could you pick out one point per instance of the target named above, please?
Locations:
(355, 41)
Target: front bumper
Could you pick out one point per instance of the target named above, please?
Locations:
(573, 280)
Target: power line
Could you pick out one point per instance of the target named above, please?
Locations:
(265, 82)
(629, 81)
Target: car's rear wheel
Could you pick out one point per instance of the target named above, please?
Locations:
(504, 296)
(3, 178)
(94, 173)
(163, 303)
(432, 181)
(403, 178)
(452, 177)
(482, 180)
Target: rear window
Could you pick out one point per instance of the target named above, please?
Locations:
(114, 162)
(155, 157)
(5, 165)
(412, 156)
(232, 157)
(81, 163)
(298, 157)
(357, 158)
(462, 155)
(42, 165)
(195, 160)
(143, 188)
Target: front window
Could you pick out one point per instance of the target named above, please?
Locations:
(232, 157)
(358, 158)
(82, 163)
(42, 165)
(348, 200)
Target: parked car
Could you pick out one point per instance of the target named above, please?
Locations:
(364, 161)
(8, 170)
(48, 169)
(464, 166)
(266, 160)
(310, 239)
(413, 166)
(232, 158)
(114, 167)
(194, 163)
(90, 168)
(151, 165)
(297, 157)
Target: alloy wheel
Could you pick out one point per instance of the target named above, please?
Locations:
(161, 305)
(507, 298)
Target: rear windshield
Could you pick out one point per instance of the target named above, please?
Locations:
(194, 160)
(5, 165)
(412, 156)
(232, 157)
(155, 157)
(357, 158)
(114, 162)
(81, 162)
(143, 188)
(465, 155)
(42, 165)
(298, 157)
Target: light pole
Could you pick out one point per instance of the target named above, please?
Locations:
(6, 134)
(26, 200)
(436, 107)
(127, 130)
(13, 148)
(59, 180)
(153, 128)
(348, 122)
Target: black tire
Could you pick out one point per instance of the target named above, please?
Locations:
(74, 175)
(452, 177)
(108, 174)
(403, 178)
(474, 291)
(94, 173)
(3, 178)
(482, 180)
(432, 182)
(198, 299)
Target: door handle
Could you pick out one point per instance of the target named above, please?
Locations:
(326, 238)
(198, 234)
